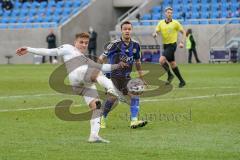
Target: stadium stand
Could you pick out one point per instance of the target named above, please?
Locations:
(39, 14)
(196, 12)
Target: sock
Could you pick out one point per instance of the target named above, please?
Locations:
(178, 74)
(134, 108)
(104, 81)
(107, 108)
(167, 69)
(95, 122)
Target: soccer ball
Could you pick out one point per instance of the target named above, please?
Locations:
(135, 86)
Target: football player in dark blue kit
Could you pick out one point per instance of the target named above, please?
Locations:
(128, 50)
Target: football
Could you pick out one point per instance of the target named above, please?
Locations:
(135, 86)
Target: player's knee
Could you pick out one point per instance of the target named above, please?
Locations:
(95, 104)
(173, 64)
(162, 60)
(94, 74)
(98, 104)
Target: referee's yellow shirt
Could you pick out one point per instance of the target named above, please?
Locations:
(169, 31)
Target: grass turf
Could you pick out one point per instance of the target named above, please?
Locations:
(200, 121)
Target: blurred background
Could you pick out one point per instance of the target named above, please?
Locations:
(215, 25)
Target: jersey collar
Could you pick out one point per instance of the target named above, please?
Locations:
(168, 21)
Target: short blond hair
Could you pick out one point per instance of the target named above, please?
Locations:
(82, 35)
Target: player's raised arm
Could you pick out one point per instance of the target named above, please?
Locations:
(102, 58)
(106, 67)
(39, 51)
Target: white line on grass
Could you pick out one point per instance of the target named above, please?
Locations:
(37, 108)
(146, 100)
(191, 98)
(29, 95)
(57, 94)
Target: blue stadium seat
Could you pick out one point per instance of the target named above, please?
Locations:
(235, 21)
(194, 22)
(51, 4)
(1, 12)
(155, 23)
(205, 15)
(21, 20)
(204, 22)
(23, 13)
(43, 5)
(146, 17)
(223, 21)
(60, 4)
(156, 9)
(67, 11)
(146, 23)
(35, 5)
(26, 5)
(17, 5)
(13, 20)
(15, 12)
(32, 12)
(214, 21)
(4, 20)
(56, 19)
(68, 4)
(156, 16)
(6, 13)
(136, 23)
(3, 26)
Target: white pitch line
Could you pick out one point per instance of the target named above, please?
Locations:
(56, 94)
(37, 108)
(29, 95)
(146, 100)
(190, 98)
(199, 88)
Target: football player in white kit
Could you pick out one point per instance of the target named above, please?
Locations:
(78, 76)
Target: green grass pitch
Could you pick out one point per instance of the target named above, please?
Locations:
(200, 121)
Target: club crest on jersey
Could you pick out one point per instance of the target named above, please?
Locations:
(134, 50)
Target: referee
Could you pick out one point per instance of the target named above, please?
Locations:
(169, 29)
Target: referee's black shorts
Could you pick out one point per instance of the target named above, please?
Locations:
(169, 50)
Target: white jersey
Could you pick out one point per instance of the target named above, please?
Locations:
(68, 52)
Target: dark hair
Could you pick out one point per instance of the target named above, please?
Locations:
(168, 8)
(125, 22)
(82, 35)
(189, 31)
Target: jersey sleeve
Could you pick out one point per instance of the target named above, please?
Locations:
(110, 48)
(137, 55)
(158, 27)
(43, 51)
(65, 49)
(178, 26)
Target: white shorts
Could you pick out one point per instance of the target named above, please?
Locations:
(82, 84)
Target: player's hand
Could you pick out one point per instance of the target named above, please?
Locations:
(181, 45)
(123, 64)
(154, 35)
(144, 82)
(21, 51)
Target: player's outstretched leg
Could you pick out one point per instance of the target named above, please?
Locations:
(111, 89)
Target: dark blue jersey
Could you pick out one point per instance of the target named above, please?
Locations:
(117, 50)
